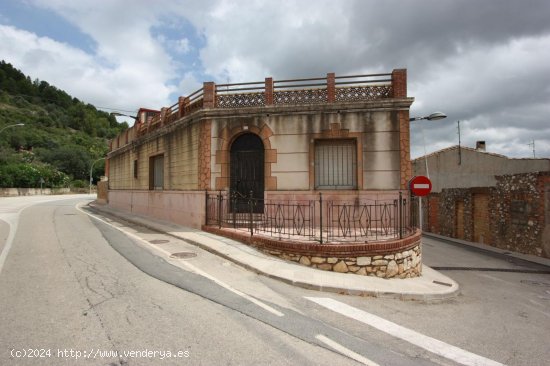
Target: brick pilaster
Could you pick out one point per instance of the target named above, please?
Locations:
(209, 97)
(399, 83)
(205, 148)
(163, 112)
(268, 91)
(181, 106)
(404, 148)
(331, 87)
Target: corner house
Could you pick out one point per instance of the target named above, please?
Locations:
(311, 170)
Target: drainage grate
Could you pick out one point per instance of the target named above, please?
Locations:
(159, 241)
(183, 255)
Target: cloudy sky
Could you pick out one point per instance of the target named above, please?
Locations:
(483, 63)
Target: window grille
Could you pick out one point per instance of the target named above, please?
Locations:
(335, 164)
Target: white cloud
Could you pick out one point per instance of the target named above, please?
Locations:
(484, 64)
(189, 84)
(500, 93)
(80, 74)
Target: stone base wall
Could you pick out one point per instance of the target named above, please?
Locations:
(400, 258)
(404, 264)
(7, 192)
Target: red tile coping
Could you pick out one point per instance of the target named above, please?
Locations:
(338, 250)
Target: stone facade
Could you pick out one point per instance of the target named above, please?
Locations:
(513, 215)
(518, 212)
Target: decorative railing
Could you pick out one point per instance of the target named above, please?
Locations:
(302, 96)
(313, 220)
(240, 100)
(329, 89)
(303, 91)
(359, 93)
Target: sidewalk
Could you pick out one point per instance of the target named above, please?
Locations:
(487, 248)
(432, 285)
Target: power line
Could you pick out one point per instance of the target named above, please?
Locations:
(57, 100)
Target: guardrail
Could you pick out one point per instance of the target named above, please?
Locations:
(313, 220)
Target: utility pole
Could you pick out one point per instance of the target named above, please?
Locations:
(459, 149)
(533, 145)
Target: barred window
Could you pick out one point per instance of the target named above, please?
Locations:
(156, 172)
(335, 164)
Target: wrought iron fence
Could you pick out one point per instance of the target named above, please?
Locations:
(319, 220)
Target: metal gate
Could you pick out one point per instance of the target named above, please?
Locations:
(247, 174)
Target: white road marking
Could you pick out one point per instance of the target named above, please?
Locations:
(190, 266)
(12, 222)
(430, 344)
(421, 186)
(345, 351)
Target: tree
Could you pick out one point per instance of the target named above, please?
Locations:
(73, 160)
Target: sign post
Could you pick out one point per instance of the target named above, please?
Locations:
(420, 186)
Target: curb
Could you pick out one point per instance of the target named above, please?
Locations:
(404, 296)
(490, 249)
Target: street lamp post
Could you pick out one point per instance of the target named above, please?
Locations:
(117, 114)
(91, 167)
(432, 117)
(14, 125)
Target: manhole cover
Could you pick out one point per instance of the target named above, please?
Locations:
(159, 241)
(183, 255)
(535, 283)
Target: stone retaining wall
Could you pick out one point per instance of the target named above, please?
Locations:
(399, 258)
(11, 192)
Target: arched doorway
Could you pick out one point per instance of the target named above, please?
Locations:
(247, 171)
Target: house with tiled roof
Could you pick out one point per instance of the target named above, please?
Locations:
(466, 167)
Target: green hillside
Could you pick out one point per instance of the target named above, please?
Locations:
(61, 137)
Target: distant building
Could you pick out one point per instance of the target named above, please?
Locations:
(488, 198)
(465, 167)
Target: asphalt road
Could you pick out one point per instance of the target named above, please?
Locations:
(64, 288)
(83, 289)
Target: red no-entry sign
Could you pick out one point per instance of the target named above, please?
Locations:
(420, 186)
